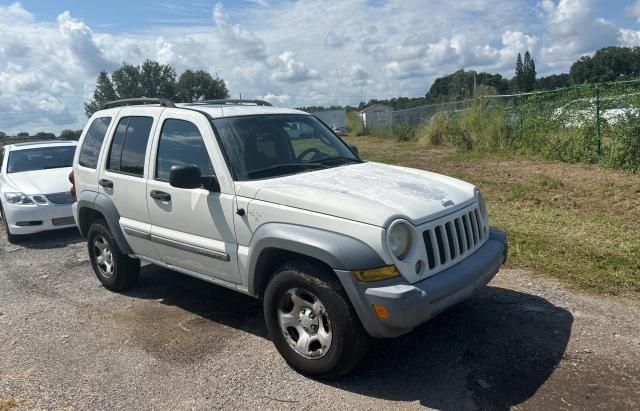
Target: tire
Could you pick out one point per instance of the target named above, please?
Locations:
(338, 342)
(11, 238)
(115, 270)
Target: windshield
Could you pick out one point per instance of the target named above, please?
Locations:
(274, 145)
(40, 158)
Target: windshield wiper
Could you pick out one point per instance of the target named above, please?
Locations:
(334, 158)
(59, 166)
(285, 167)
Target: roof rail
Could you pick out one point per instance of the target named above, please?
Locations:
(234, 101)
(138, 101)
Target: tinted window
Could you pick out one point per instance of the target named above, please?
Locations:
(181, 144)
(93, 142)
(129, 145)
(1, 157)
(41, 158)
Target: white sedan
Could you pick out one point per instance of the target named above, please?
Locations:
(35, 188)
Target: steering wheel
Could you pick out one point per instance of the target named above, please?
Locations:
(307, 152)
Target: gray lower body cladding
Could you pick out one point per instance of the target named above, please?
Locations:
(410, 305)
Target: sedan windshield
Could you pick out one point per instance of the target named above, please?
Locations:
(275, 145)
(42, 158)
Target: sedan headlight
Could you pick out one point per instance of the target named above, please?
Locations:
(399, 238)
(17, 198)
(483, 206)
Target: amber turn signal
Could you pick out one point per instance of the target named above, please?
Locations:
(376, 274)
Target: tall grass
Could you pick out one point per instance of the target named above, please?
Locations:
(534, 129)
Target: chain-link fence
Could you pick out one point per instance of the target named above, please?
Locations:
(586, 123)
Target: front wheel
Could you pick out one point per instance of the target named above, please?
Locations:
(312, 322)
(11, 238)
(115, 270)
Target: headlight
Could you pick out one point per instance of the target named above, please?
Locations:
(483, 206)
(399, 238)
(17, 198)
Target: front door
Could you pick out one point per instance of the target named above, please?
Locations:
(191, 228)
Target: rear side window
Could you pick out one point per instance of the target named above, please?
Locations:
(129, 145)
(1, 157)
(93, 142)
(181, 144)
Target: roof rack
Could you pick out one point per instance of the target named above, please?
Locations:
(138, 101)
(234, 101)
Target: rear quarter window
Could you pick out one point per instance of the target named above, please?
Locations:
(129, 146)
(90, 150)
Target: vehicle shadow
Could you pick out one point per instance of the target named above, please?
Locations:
(493, 351)
(49, 239)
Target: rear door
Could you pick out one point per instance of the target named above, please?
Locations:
(123, 175)
(192, 228)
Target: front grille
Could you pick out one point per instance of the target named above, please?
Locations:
(453, 238)
(60, 198)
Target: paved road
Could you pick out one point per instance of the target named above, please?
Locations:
(178, 343)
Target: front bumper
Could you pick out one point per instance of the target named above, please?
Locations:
(410, 305)
(31, 219)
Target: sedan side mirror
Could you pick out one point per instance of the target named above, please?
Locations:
(190, 176)
(355, 149)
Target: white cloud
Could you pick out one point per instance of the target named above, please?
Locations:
(290, 70)
(306, 52)
(237, 39)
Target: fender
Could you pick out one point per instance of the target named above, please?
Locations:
(338, 251)
(104, 205)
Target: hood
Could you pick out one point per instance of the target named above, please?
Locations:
(371, 193)
(55, 180)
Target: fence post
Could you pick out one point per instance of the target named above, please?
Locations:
(598, 140)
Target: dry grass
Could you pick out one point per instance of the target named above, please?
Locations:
(578, 223)
(7, 403)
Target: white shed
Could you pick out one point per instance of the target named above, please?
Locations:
(378, 115)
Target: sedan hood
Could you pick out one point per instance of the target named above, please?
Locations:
(55, 180)
(372, 193)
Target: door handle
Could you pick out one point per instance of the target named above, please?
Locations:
(106, 183)
(160, 195)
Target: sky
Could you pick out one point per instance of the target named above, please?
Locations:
(290, 52)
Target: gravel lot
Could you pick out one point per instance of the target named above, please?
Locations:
(178, 343)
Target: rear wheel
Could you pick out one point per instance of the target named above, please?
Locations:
(115, 270)
(312, 322)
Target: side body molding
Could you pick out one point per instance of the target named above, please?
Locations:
(338, 251)
(90, 200)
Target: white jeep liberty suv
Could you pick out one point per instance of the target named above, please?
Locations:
(271, 203)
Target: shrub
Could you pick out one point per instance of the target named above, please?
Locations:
(623, 149)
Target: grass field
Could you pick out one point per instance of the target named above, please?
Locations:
(577, 223)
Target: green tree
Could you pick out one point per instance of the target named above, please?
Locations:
(22, 134)
(607, 64)
(518, 79)
(154, 80)
(70, 134)
(529, 72)
(199, 85)
(104, 92)
(553, 81)
(157, 80)
(126, 81)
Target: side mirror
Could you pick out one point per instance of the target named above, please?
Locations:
(355, 149)
(185, 177)
(190, 176)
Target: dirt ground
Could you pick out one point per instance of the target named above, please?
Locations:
(174, 342)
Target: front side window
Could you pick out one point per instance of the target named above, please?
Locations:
(129, 145)
(41, 158)
(181, 144)
(93, 142)
(274, 145)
